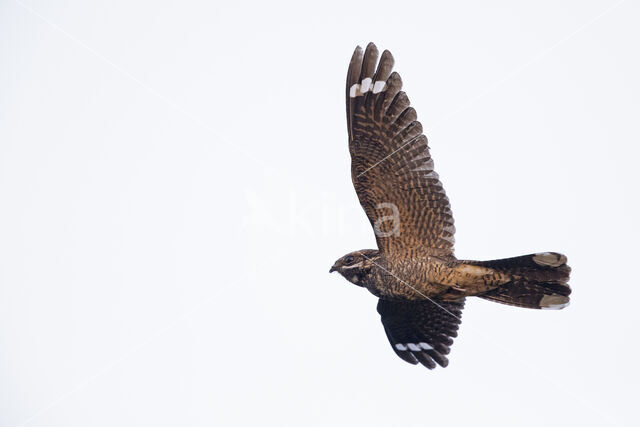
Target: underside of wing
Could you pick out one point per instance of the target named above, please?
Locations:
(391, 166)
(421, 331)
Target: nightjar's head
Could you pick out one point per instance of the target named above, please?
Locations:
(355, 266)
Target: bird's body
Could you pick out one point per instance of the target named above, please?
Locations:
(420, 276)
(420, 283)
(382, 275)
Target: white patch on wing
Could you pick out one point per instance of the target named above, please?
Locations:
(379, 86)
(353, 90)
(365, 85)
(413, 346)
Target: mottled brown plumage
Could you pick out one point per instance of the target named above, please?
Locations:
(414, 272)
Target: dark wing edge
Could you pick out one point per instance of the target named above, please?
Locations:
(391, 163)
(421, 331)
(364, 82)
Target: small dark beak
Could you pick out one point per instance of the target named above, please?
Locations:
(332, 269)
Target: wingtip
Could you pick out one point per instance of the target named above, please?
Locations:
(395, 77)
(371, 47)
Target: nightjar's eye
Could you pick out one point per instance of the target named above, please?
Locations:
(348, 259)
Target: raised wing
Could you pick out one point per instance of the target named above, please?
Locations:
(391, 167)
(421, 331)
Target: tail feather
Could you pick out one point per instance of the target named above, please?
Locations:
(539, 281)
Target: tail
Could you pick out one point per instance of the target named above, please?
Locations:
(539, 281)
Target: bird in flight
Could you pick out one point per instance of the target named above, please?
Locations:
(420, 283)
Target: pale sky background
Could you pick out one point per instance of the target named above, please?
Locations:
(174, 186)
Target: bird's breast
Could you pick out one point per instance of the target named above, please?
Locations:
(416, 278)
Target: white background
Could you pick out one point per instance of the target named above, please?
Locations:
(174, 186)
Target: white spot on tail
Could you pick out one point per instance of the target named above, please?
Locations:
(549, 259)
(554, 302)
(555, 307)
